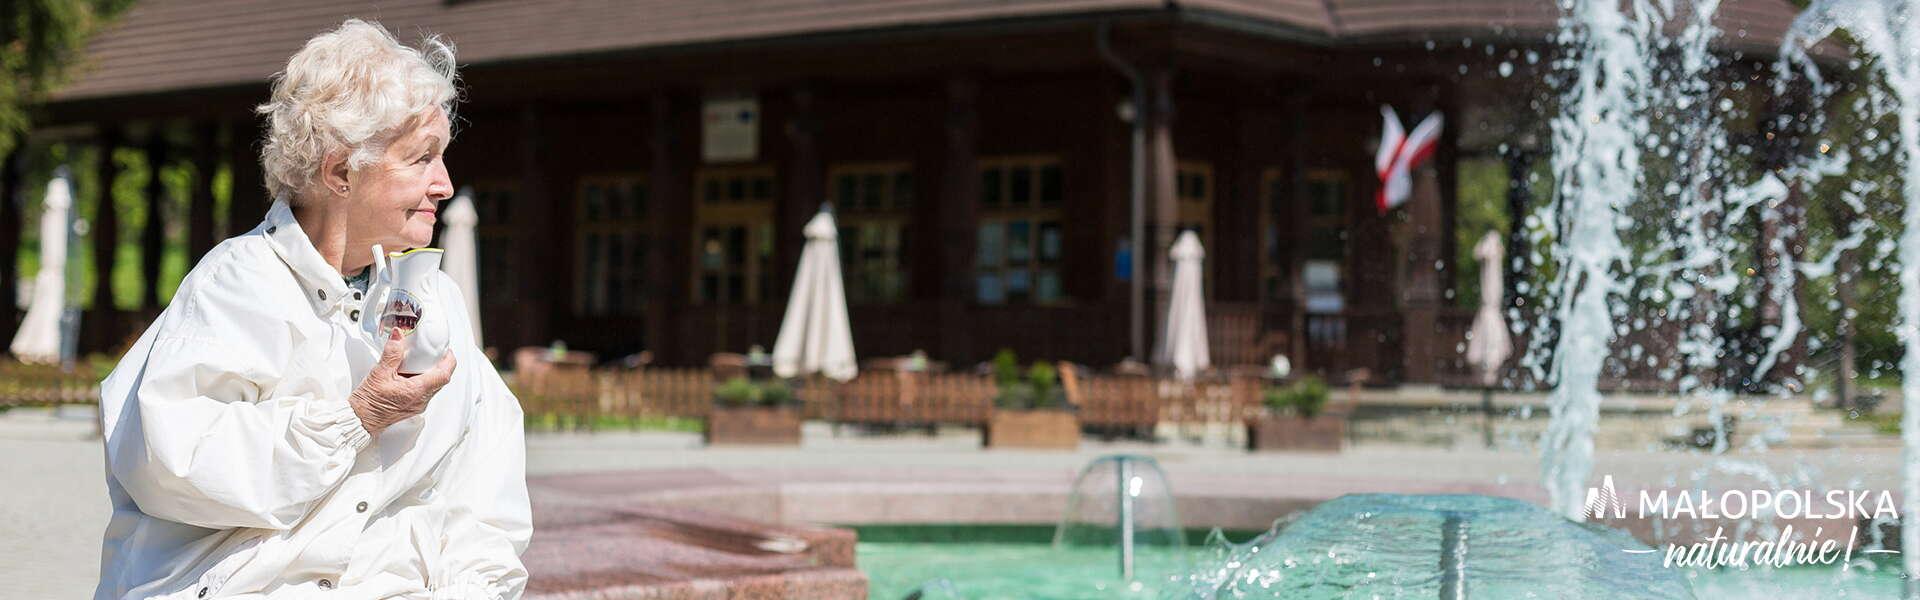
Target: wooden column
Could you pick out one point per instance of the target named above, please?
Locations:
(105, 228)
(542, 274)
(153, 234)
(249, 201)
(11, 200)
(206, 153)
(958, 215)
(1293, 238)
(1163, 211)
(1846, 272)
(670, 210)
(806, 189)
(1421, 296)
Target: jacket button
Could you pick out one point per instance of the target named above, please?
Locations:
(203, 593)
(361, 507)
(323, 294)
(271, 229)
(356, 295)
(326, 584)
(354, 315)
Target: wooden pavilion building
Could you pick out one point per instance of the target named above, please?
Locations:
(643, 168)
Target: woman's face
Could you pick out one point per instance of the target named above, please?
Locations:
(394, 202)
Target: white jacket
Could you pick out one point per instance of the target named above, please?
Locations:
(237, 469)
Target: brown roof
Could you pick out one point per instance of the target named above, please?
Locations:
(170, 45)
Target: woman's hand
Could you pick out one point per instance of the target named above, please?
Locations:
(387, 397)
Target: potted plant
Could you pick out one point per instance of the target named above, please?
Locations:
(1298, 418)
(753, 412)
(1031, 410)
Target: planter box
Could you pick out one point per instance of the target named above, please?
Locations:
(1052, 429)
(1323, 433)
(755, 426)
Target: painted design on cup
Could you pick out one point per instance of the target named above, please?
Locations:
(403, 313)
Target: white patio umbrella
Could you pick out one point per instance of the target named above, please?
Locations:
(1184, 343)
(815, 336)
(1489, 345)
(462, 255)
(38, 340)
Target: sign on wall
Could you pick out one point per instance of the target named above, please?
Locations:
(730, 129)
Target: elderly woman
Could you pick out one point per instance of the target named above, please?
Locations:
(259, 445)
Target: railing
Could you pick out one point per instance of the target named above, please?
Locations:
(904, 398)
(1134, 401)
(580, 399)
(1338, 343)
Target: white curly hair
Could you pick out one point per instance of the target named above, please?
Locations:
(349, 90)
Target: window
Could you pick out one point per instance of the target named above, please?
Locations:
(1324, 250)
(493, 202)
(872, 204)
(1193, 186)
(611, 264)
(1019, 240)
(733, 241)
(1324, 271)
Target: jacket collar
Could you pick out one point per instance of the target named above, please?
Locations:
(322, 284)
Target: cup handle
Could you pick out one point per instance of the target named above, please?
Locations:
(379, 262)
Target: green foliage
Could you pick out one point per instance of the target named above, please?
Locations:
(741, 392)
(1482, 207)
(1043, 379)
(1006, 367)
(1304, 398)
(39, 41)
(1036, 387)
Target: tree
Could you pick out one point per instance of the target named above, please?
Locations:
(39, 40)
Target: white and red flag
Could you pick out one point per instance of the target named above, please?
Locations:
(1399, 154)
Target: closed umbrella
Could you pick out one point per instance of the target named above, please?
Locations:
(1489, 345)
(461, 259)
(815, 336)
(38, 340)
(1184, 344)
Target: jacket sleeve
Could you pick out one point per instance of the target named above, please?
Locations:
(489, 518)
(221, 426)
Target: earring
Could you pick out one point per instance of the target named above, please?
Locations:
(343, 189)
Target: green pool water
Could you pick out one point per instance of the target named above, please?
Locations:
(1017, 562)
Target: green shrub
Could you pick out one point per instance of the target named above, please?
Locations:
(1006, 367)
(736, 393)
(776, 393)
(1017, 395)
(1037, 387)
(1304, 398)
(741, 392)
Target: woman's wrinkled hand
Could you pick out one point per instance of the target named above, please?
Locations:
(388, 397)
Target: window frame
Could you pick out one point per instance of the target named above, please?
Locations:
(1035, 212)
(636, 228)
(496, 235)
(894, 214)
(751, 211)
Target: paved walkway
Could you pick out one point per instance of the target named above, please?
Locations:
(55, 508)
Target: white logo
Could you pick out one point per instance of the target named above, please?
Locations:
(1602, 498)
(1723, 550)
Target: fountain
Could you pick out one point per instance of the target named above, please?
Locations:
(1124, 502)
(1447, 546)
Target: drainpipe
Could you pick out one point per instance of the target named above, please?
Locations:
(1136, 299)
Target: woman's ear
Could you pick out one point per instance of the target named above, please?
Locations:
(333, 174)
